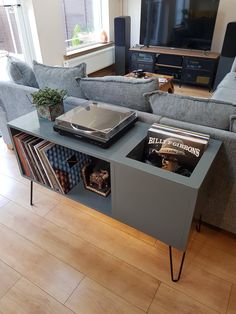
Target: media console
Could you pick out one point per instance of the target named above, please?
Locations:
(150, 199)
(187, 66)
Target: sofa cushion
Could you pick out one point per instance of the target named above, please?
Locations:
(21, 73)
(232, 126)
(119, 90)
(208, 112)
(229, 81)
(60, 77)
(225, 94)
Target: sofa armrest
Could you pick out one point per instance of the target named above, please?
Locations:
(16, 99)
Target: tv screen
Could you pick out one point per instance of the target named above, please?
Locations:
(178, 23)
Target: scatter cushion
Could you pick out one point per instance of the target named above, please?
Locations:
(119, 90)
(60, 77)
(208, 112)
(21, 73)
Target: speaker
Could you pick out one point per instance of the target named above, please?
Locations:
(122, 44)
(228, 53)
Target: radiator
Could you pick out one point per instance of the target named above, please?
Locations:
(95, 60)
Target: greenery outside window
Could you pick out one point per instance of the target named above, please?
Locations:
(83, 22)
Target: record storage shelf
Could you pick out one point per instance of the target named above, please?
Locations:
(150, 199)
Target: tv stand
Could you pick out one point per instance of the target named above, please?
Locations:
(195, 67)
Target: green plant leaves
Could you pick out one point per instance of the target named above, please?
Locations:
(48, 96)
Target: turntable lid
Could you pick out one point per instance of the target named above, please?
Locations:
(95, 117)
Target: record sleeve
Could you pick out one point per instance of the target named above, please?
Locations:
(174, 149)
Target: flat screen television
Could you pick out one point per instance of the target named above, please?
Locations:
(178, 23)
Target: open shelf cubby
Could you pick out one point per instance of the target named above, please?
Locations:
(34, 157)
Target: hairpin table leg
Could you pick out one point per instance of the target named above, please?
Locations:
(31, 193)
(171, 265)
(199, 223)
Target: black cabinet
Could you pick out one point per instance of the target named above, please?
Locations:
(187, 67)
(144, 61)
(198, 71)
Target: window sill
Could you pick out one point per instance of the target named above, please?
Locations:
(82, 51)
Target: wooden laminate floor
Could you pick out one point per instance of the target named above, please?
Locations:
(59, 256)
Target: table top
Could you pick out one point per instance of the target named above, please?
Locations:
(162, 79)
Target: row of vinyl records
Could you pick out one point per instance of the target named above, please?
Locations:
(175, 149)
(50, 164)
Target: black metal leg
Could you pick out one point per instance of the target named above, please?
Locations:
(31, 193)
(171, 265)
(199, 223)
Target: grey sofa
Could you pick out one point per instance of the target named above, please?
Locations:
(218, 206)
(226, 90)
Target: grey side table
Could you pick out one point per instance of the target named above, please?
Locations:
(155, 201)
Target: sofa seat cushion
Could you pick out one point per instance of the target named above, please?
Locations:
(60, 77)
(208, 112)
(21, 73)
(229, 81)
(119, 90)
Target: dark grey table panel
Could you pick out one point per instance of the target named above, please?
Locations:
(160, 207)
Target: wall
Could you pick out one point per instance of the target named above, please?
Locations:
(115, 9)
(49, 23)
(133, 9)
(226, 14)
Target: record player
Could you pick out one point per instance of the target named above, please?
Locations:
(96, 123)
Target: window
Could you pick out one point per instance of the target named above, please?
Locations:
(83, 22)
(14, 38)
(9, 35)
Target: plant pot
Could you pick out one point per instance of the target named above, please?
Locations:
(50, 112)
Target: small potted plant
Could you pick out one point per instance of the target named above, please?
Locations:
(49, 102)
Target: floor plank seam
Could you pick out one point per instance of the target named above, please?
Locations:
(154, 296)
(26, 278)
(18, 204)
(218, 275)
(82, 279)
(231, 290)
(11, 267)
(175, 287)
(117, 295)
(51, 296)
(12, 286)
